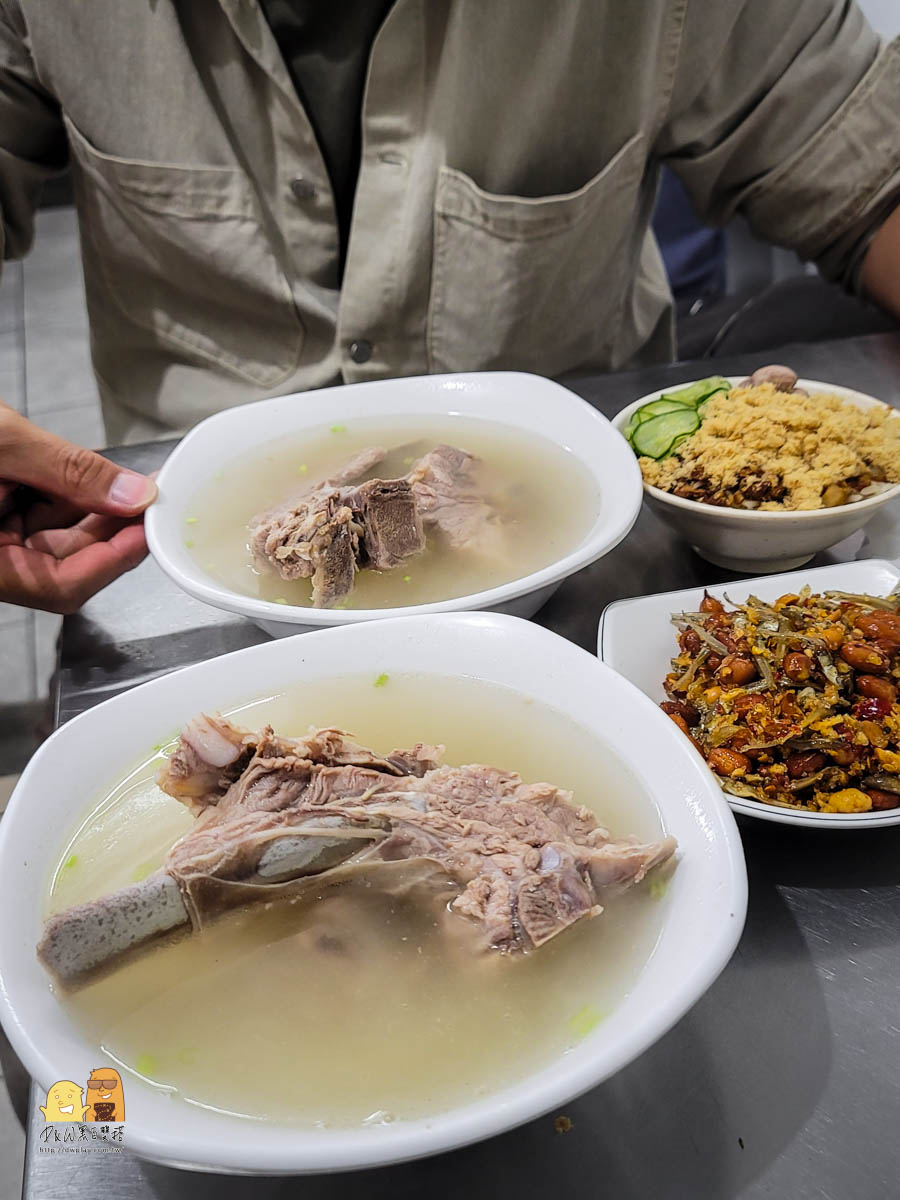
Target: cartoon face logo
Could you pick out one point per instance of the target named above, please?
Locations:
(64, 1102)
(106, 1099)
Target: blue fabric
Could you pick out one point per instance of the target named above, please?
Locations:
(694, 255)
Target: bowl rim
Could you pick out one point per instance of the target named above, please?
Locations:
(721, 512)
(273, 1151)
(613, 520)
(745, 805)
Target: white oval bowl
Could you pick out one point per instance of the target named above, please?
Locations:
(521, 401)
(704, 911)
(749, 540)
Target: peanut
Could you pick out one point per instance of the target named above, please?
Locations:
(687, 711)
(843, 754)
(728, 762)
(714, 662)
(882, 799)
(709, 604)
(862, 656)
(877, 689)
(797, 666)
(680, 722)
(880, 625)
(689, 641)
(736, 670)
(805, 763)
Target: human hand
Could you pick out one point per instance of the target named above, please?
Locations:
(70, 520)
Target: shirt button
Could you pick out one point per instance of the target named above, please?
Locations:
(361, 351)
(302, 188)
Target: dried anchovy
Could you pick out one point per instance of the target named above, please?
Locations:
(815, 743)
(829, 670)
(754, 602)
(765, 670)
(682, 684)
(723, 734)
(681, 619)
(888, 603)
(768, 745)
(830, 774)
(884, 782)
(759, 686)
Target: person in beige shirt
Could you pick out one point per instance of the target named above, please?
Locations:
(506, 164)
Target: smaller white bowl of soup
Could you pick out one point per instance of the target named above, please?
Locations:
(440, 493)
(501, 913)
(760, 479)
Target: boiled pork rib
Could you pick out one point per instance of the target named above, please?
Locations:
(520, 860)
(331, 529)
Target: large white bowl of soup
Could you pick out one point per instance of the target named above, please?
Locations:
(351, 1030)
(559, 491)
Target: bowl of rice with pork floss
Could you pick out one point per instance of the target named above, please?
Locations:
(759, 474)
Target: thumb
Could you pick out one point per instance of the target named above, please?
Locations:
(92, 483)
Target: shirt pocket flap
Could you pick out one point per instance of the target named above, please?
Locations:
(459, 197)
(180, 252)
(532, 283)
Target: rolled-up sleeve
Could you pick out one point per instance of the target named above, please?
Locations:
(790, 114)
(33, 143)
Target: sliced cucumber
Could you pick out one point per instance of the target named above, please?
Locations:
(655, 438)
(656, 407)
(695, 392)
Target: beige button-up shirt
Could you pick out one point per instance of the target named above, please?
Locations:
(509, 168)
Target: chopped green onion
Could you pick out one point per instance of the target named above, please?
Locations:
(586, 1019)
(191, 520)
(302, 469)
(407, 578)
(145, 1065)
(280, 600)
(339, 429)
(658, 887)
(70, 862)
(380, 681)
(189, 544)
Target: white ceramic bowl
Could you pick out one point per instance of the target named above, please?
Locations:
(704, 905)
(637, 639)
(521, 401)
(753, 541)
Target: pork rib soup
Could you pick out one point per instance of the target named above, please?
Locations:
(383, 514)
(453, 928)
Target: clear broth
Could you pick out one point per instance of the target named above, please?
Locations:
(548, 499)
(356, 1008)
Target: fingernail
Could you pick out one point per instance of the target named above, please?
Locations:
(131, 491)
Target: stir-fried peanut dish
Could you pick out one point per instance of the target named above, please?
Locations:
(794, 702)
(765, 444)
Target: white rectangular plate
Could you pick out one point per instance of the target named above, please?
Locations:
(637, 640)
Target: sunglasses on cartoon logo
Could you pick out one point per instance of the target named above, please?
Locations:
(106, 1085)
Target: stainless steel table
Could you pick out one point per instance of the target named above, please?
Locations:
(782, 1081)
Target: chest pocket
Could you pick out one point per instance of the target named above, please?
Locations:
(180, 251)
(531, 284)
